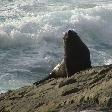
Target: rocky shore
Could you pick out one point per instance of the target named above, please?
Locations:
(86, 91)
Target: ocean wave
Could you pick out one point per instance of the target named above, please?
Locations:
(15, 39)
(35, 30)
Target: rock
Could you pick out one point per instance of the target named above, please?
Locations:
(67, 82)
(88, 90)
(90, 111)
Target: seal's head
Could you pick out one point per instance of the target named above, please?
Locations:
(70, 36)
(71, 33)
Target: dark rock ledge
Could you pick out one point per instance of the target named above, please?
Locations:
(89, 90)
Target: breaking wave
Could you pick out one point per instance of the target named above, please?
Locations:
(31, 34)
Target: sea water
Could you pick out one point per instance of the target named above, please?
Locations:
(31, 33)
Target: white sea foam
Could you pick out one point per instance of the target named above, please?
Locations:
(31, 34)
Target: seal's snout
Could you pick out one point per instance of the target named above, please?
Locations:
(72, 33)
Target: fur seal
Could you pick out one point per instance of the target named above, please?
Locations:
(77, 54)
(76, 57)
